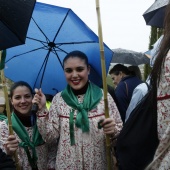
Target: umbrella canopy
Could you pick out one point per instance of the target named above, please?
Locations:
(53, 32)
(154, 15)
(124, 56)
(14, 21)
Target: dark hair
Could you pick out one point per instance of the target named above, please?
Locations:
(119, 67)
(77, 54)
(162, 52)
(135, 71)
(17, 84)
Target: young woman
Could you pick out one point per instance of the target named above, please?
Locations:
(160, 80)
(74, 116)
(31, 149)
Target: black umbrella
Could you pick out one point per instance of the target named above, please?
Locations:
(124, 56)
(154, 15)
(14, 21)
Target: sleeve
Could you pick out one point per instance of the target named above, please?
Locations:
(48, 121)
(114, 113)
(138, 93)
(4, 133)
(167, 68)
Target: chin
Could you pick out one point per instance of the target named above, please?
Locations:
(77, 87)
(26, 113)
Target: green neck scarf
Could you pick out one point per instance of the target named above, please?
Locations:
(2, 117)
(26, 143)
(92, 97)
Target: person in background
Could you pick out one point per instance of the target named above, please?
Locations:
(160, 80)
(125, 84)
(135, 71)
(31, 148)
(141, 90)
(2, 109)
(76, 116)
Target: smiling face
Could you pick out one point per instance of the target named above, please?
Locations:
(76, 72)
(22, 100)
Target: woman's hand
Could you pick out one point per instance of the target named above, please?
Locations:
(11, 145)
(108, 125)
(39, 98)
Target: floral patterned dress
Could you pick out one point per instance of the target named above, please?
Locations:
(45, 159)
(88, 153)
(163, 110)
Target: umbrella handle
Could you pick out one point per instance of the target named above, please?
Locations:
(34, 108)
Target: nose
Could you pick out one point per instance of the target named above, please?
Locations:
(23, 100)
(74, 74)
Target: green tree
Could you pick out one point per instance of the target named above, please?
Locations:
(155, 34)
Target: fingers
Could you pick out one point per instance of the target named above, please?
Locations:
(11, 145)
(37, 96)
(108, 126)
(39, 99)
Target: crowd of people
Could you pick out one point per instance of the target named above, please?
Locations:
(70, 128)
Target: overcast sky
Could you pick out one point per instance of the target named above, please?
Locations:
(122, 22)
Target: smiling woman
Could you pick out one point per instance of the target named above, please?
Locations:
(74, 118)
(26, 138)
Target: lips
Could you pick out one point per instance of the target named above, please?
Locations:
(24, 107)
(75, 82)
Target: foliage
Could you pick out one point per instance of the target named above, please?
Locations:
(155, 34)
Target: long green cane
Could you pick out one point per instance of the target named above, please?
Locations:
(4, 85)
(108, 147)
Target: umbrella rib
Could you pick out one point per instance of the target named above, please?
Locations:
(61, 24)
(37, 40)
(44, 63)
(24, 53)
(82, 42)
(58, 57)
(41, 30)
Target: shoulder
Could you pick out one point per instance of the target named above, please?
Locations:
(57, 96)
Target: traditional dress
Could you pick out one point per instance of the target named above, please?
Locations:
(78, 148)
(163, 108)
(45, 160)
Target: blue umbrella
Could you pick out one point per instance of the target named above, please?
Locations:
(154, 15)
(53, 32)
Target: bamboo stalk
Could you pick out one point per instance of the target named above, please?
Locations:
(5, 90)
(108, 147)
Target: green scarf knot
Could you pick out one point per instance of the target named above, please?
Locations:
(26, 142)
(92, 97)
(82, 120)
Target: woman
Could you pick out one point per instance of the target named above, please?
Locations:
(125, 83)
(32, 150)
(74, 116)
(160, 80)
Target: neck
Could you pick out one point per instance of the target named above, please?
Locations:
(25, 119)
(82, 90)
